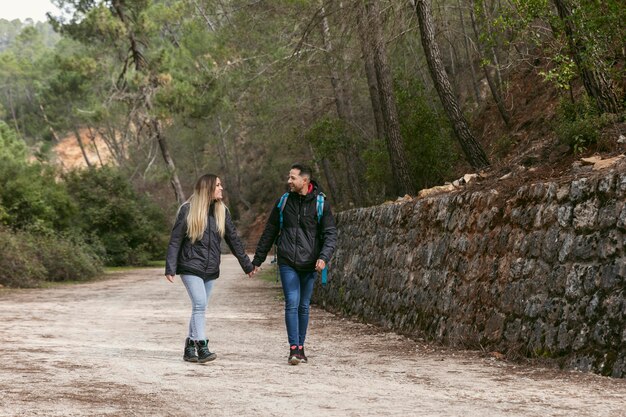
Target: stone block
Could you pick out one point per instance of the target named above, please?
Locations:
(565, 214)
(551, 244)
(534, 305)
(564, 337)
(574, 282)
(581, 338)
(621, 220)
(606, 184)
(585, 246)
(567, 239)
(563, 192)
(586, 214)
(580, 189)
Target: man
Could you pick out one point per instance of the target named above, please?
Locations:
(306, 243)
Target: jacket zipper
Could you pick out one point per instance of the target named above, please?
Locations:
(208, 244)
(295, 246)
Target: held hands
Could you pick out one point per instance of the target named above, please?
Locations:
(252, 273)
(320, 265)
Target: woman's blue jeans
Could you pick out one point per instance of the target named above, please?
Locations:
(297, 288)
(199, 291)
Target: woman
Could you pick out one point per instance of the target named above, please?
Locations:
(194, 254)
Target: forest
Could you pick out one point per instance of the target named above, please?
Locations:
(382, 98)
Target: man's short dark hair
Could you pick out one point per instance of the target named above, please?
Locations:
(305, 170)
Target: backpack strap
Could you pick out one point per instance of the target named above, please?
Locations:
(320, 212)
(281, 206)
(320, 206)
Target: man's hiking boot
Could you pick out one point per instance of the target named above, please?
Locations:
(204, 355)
(190, 351)
(294, 359)
(301, 355)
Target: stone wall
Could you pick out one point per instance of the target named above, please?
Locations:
(540, 272)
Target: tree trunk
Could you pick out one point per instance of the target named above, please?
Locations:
(92, 136)
(393, 137)
(468, 55)
(231, 178)
(370, 71)
(13, 115)
(472, 149)
(492, 84)
(204, 16)
(344, 109)
(47, 121)
(597, 83)
(82, 148)
(330, 179)
(171, 167)
(333, 189)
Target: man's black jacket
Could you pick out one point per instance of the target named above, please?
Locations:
(302, 240)
(202, 258)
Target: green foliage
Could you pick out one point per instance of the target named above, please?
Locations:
(29, 258)
(562, 73)
(18, 262)
(10, 31)
(11, 148)
(378, 171)
(329, 137)
(131, 230)
(65, 257)
(579, 124)
(503, 145)
(430, 147)
(33, 198)
(30, 196)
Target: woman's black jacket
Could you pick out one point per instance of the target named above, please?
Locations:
(202, 258)
(302, 240)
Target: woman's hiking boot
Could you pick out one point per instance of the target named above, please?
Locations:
(301, 355)
(204, 355)
(190, 351)
(294, 359)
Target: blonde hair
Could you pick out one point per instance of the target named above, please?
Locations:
(199, 205)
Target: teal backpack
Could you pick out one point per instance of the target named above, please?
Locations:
(320, 211)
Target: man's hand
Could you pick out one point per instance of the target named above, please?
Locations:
(252, 273)
(170, 278)
(319, 265)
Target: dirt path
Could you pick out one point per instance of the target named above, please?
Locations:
(114, 348)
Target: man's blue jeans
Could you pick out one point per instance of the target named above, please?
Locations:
(297, 288)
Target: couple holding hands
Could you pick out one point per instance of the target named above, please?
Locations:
(302, 225)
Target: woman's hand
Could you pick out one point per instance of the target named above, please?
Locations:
(170, 278)
(252, 273)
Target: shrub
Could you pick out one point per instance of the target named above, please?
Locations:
(31, 196)
(111, 214)
(428, 140)
(28, 258)
(579, 124)
(66, 258)
(18, 263)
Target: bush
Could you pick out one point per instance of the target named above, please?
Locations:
(29, 258)
(31, 196)
(131, 230)
(579, 124)
(430, 146)
(66, 258)
(18, 263)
